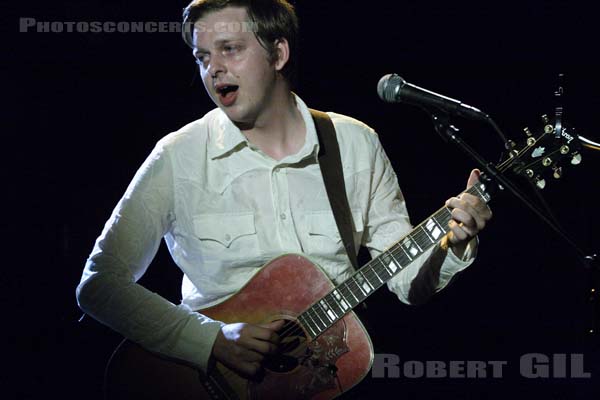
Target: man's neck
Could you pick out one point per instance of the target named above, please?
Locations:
(280, 130)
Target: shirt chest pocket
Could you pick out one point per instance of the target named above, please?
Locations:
(323, 236)
(226, 237)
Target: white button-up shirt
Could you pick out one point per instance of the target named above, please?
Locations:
(225, 209)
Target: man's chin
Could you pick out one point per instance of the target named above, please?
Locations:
(236, 116)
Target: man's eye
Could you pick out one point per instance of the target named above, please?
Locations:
(201, 59)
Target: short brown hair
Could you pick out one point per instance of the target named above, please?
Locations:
(273, 19)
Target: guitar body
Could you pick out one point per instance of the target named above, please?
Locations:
(309, 369)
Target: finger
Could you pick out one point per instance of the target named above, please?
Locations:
(240, 352)
(268, 331)
(469, 211)
(480, 206)
(274, 326)
(458, 233)
(468, 219)
(473, 178)
(259, 339)
(262, 346)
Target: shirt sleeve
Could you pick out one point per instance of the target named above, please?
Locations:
(122, 253)
(388, 222)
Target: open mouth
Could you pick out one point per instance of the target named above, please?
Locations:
(226, 89)
(227, 94)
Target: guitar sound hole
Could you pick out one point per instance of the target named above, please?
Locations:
(292, 348)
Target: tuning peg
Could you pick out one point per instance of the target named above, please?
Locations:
(540, 182)
(547, 162)
(527, 131)
(548, 129)
(576, 160)
(557, 172)
(545, 119)
(513, 152)
(564, 149)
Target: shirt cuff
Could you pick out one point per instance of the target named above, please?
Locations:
(196, 341)
(453, 264)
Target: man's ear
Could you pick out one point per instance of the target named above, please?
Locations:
(282, 53)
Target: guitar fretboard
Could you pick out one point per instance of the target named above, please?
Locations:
(373, 275)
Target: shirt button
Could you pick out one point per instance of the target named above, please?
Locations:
(228, 237)
(282, 216)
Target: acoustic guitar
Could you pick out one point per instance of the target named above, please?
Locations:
(325, 350)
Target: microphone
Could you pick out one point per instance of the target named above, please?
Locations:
(393, 89)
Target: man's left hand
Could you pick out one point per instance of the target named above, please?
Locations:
(469, 216)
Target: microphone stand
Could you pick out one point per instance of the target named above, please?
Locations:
(449, 133)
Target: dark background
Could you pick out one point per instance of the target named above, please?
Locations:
(84, 110)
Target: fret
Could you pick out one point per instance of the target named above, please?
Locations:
(421, 239)
(446, 214)
(377, 275)
(409, 243)
(357, 291)
(479, 190)
(335, 307)
(415, 241)
(323, 315)
(329, 313)
(367, 285)
(317, 318)
(341, 300)
(434, 228)
(385, 268)
(347, 287)
(363, 284)
(315, 324)
(405, 253)
(397, 264)
(385, 259)
(305, 323)
(427, 234)
(371, 276)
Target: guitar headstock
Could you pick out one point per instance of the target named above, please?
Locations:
(544, 153)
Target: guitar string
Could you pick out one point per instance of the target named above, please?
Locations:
(369, 274)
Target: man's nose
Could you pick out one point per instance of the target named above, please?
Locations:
(216, 65)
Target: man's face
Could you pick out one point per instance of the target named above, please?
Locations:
(234, 67)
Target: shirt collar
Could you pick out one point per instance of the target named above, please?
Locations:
(225, 137)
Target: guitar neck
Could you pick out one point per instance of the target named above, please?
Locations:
(373, 275)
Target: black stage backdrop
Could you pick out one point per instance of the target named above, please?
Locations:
(84, 110)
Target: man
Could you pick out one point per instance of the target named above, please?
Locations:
(240, 186)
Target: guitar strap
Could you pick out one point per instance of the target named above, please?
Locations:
(330, 162)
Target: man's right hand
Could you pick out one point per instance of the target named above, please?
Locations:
(242, 347)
